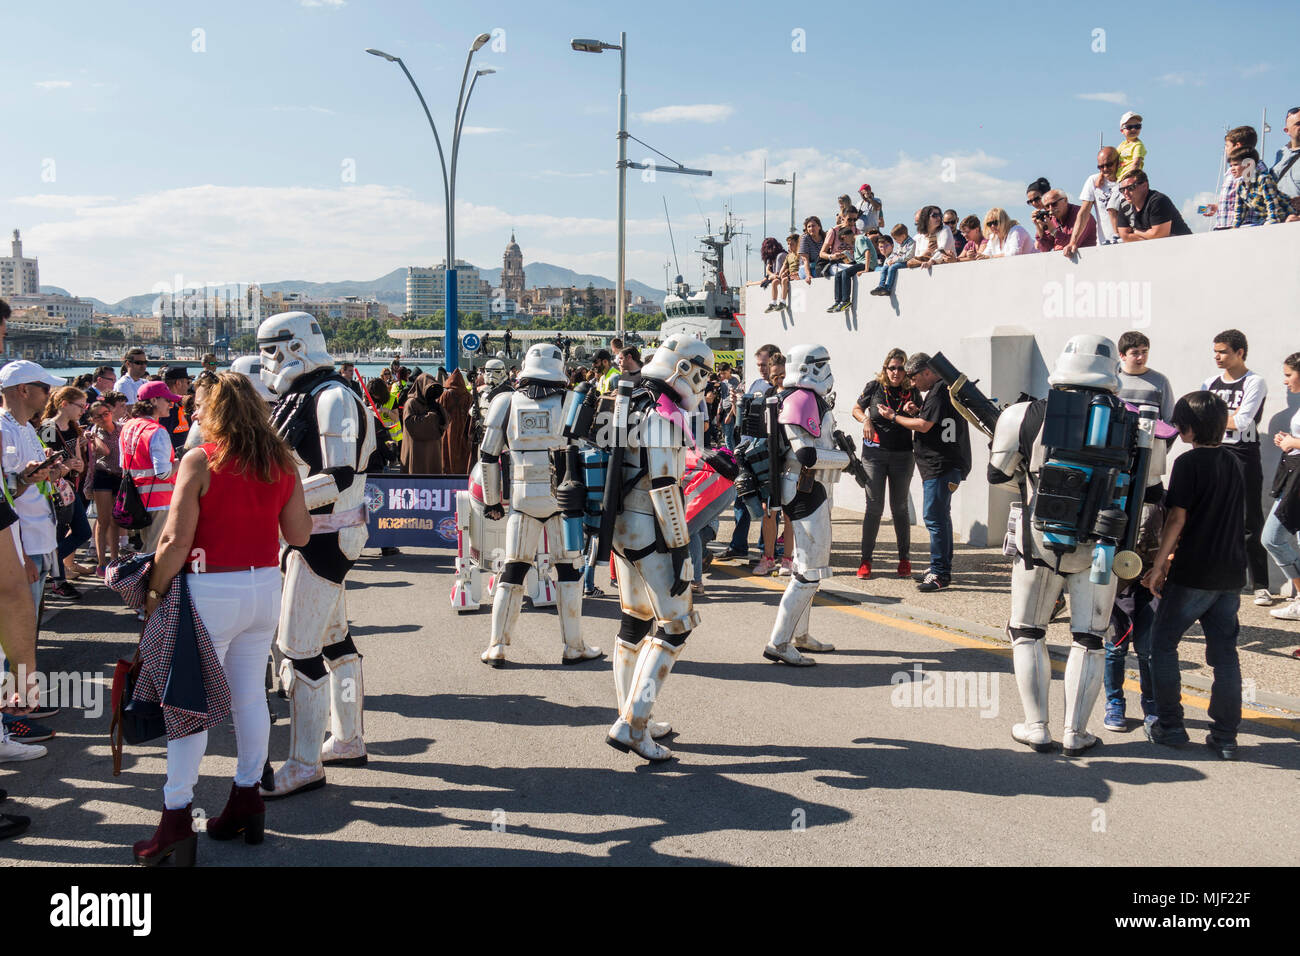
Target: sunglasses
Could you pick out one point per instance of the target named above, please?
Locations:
(893, 368)
(936, 215)
(1129, 189)
(1132, 126)
(1112, 163)
(1032, 200)
(950, 222)
(137, 362)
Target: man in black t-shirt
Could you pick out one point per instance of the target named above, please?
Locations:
(1206, 523)
(941, 446)
(1150, 214)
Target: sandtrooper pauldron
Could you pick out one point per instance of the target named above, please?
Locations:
(527, 424)
(329, 431)
(809, 469)
(1080, 453)
(650, 541)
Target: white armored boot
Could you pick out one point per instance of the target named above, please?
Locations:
(625, 658)
(346, 745)
(805, 641)
(795, 602)
(1084, 670)
(1034, 678)
(569, 606)
(506, 602)
(630, 731)
(309, 705)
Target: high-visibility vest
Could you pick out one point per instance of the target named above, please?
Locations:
(392, 420)
(155, 492)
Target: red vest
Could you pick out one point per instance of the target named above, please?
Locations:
(155, 492)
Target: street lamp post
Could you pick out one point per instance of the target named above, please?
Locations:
(784, 182)
(451, 315)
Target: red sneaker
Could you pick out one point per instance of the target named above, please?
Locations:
(904, 568)
(864, 571)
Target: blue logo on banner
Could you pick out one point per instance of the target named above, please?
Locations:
(470, 342)
(447, 529)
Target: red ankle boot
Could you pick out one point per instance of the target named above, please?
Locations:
(174, 843)
(244, 813)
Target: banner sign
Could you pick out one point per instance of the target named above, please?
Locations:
(412, 511)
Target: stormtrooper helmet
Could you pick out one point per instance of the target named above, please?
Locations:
(542, 363)
(683, 364)
(494, 372)
(1087, 361)
(291, 344)
(810, 367)
(250, 366)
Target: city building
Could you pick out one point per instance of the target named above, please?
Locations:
(512, 271)
(76, 312)
(343, 308)
(18, 276)
(426, 290)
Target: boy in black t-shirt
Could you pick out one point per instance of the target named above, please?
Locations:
(1203, 580)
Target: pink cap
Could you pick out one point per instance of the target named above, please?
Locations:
(151, 390)
(865, 188)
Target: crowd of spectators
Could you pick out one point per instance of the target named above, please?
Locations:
(1116, 204)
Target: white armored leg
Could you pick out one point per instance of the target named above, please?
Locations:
(346, 745)
(625, 658)
(631, 731)
(812, 559)
(309, 706)
(506, 602)
(569, 605)
(1033, 669)
(1084, 670)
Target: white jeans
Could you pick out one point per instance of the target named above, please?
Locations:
(240, 609)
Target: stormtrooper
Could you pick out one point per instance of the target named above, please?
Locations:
(649, 536)
(1076, 455)
(527, 424)
(496, 379)
(809, 464)
(329, 431)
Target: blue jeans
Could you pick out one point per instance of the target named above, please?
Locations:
(1281, 545)
(1217, 611)
(889, 275)
(937, 512)
(43, 565)
(729, 433)
(740, 536)
(1145, 605)
(78, 532)
(589, 575)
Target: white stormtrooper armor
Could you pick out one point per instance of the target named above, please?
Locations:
(527, 424)
(808, 427)
(1086, 367)
(250, 366)
(481, 555)
(650, 541)
(329, 430)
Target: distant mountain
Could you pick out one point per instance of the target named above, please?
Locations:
(100, 306)
(389, 289)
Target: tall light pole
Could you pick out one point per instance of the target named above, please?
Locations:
(451, 315)
(784, 182)
(596, 46)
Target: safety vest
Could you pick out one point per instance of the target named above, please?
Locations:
(155, 492)
(182, 423)
(607, 380)
(392, 420)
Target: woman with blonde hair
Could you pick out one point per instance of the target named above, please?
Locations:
(1006, 237)
(233, 493)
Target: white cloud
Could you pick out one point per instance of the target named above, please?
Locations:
(53, 84)
(1119, 99)
(1181, 79)
(1255, 69)
(481, 130)
(698, 113)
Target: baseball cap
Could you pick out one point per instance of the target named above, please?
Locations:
(1130, 115)
(865, 188)
(915, 362)
(151, 390)
(23, 372)
(176, 371)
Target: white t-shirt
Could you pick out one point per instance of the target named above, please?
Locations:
(130, 387)
(1245, 400)
(1100, 197)
(943, 242)
(1295, 431)
(1018, 243)
(35, 519)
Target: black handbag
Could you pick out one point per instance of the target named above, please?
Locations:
(134, 721)
(128, 509)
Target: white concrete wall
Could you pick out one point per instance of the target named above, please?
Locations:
(1004, 321)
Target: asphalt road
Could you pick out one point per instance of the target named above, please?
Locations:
(847, 762)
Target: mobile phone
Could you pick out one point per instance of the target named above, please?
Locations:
(54, 459)
(1202, 210)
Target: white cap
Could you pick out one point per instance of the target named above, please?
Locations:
(1126, 117)
(23, 372)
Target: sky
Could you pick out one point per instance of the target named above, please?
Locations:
(257, 142)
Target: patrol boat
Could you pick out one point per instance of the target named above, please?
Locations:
(708, 313)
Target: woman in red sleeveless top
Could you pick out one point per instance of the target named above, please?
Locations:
(235, 496)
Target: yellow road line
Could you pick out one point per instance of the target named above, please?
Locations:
(836, 603)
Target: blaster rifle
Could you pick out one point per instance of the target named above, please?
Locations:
(855, 467)
(972, 404)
